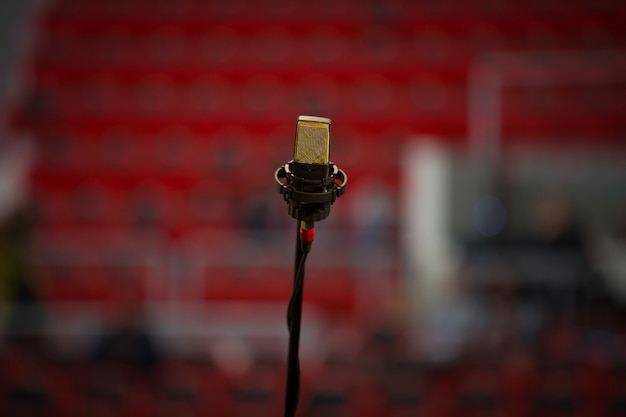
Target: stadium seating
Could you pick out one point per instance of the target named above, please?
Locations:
(159, 126)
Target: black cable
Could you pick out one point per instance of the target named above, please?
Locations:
(297, 289)
(294, 319)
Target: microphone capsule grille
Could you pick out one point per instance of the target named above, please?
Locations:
(312, 140)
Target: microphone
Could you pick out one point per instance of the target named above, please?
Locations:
(312, 148)
(310, 183)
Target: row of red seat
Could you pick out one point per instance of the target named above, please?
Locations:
(197, 387)
(321, 49)
(158, 153)
(260, 98)
(143, 207)
(458, 30)
(214, 97)
(183, 160)
(101, 284)
(344, 9)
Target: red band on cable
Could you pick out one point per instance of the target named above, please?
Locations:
(307, 235)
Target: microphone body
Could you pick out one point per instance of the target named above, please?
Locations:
(311, 154)
(310, 183)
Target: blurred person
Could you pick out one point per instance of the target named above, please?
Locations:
(610, 252)
(602, 332)
(562, 245)
(127, 341)
(25, 386)
(125, 362)
(20, 298)
(372, 208)
(555, 225)
(256, 213)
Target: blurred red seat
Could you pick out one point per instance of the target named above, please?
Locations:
(207, 97)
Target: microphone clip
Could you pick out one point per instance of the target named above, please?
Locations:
(309, 200)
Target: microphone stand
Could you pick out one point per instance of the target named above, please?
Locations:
(292, 391)
(308, 201)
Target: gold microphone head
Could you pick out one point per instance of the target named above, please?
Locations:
(312, 140)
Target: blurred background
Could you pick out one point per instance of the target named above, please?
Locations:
(476, 266)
